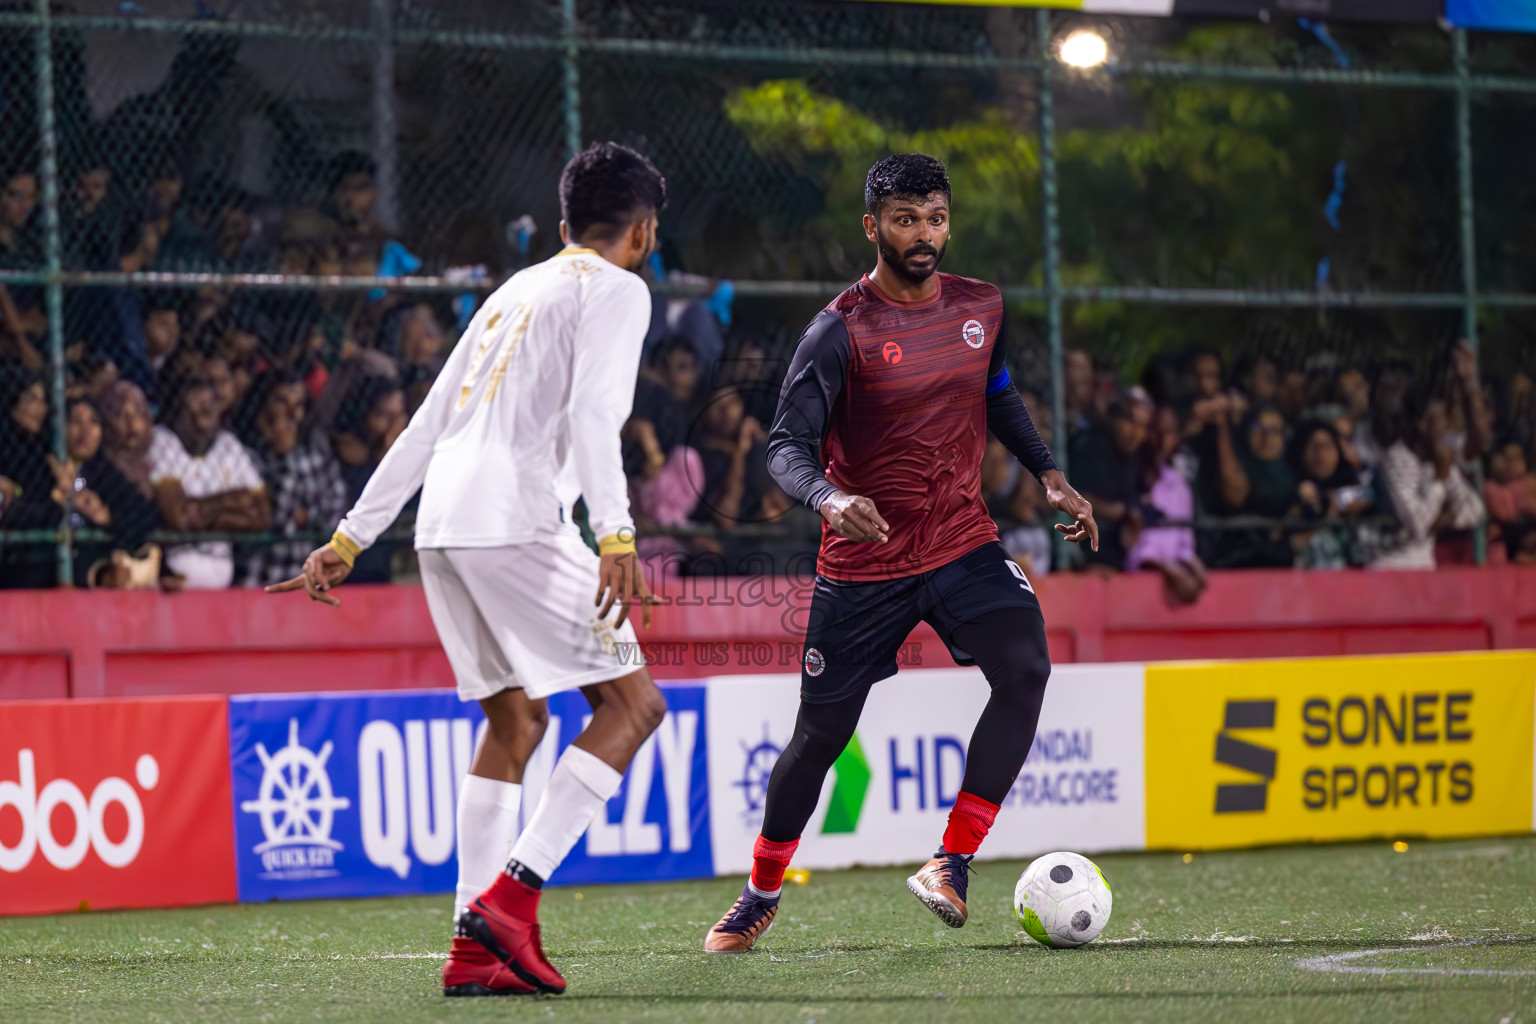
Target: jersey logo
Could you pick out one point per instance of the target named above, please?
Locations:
(972, 334)
(815, 664)
(892, 352)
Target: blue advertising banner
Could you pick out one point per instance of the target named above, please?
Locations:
(1404, 11)
(348, 794)
(656, 828)
(355, 794)
(1511, 15)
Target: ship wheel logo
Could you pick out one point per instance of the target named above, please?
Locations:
(760, 759)
(295, 800)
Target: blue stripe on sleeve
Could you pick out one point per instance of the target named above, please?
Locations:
(999, 382)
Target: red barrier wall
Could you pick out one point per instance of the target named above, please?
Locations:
(103, 643)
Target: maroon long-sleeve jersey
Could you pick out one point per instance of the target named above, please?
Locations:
(892, 400)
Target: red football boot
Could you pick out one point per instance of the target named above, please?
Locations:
(472, 971)
(505, 920)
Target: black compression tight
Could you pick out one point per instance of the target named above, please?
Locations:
(1008, 645)
(821, 733)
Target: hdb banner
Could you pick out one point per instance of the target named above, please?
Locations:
(887, 798)
(355, 794)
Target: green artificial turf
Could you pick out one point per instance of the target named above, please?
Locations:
(1223, 937)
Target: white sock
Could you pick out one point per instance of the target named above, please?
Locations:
(487, 829)
(578, 788)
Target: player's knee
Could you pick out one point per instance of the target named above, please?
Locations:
(1024, 669)
(649, 710)
(819, 745)
(533, 723)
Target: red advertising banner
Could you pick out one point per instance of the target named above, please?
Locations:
(115, 803)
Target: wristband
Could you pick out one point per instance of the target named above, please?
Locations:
(621, 543)
(345, 548)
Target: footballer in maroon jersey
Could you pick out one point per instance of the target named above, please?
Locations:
(881, 426)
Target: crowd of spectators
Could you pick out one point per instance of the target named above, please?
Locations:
(225, 411)
(202, 410)
(1318, 465)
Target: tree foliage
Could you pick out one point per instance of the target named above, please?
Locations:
(1199, 183)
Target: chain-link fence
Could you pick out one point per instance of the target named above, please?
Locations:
(238, 238)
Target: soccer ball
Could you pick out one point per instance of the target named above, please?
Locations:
(1062, 900)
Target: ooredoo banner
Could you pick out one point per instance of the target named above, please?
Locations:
(355, 794)
(888, 796)
(114, 803)
(1249, 753)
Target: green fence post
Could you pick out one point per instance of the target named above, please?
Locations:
(43, 70)
(1050, 230)
(385, 127)
(1467, 202)
(572, 70)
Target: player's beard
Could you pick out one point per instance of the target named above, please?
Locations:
(897, 261)
(645, 254)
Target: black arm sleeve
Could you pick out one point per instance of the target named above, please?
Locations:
(1007, 417)
(812, 386)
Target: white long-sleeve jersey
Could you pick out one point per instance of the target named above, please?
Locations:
(525, 416)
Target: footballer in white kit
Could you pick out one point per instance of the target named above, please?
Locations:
(523, 420)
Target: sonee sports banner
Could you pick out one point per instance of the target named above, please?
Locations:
(1252, 753)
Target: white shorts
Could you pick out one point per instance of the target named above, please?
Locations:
(522, 617)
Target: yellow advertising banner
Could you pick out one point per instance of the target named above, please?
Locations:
(1251, 753)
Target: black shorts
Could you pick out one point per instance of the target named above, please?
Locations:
(856, 629)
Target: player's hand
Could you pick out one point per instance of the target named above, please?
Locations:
(323, 571)
(855, 517)
(1067, 501)
(621, 581)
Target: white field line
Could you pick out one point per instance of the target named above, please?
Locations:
(1342, 963)
(375, 956)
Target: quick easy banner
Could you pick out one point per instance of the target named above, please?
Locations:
(1246, 754)
(114, 803)
(888, 796)
(356, 794)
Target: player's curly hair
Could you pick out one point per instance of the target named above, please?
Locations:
(909, 175)
(607, 187)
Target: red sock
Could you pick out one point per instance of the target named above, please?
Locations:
(969, 821)
(769, 860)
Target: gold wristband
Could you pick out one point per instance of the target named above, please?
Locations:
(345, 548)
(621, 543)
